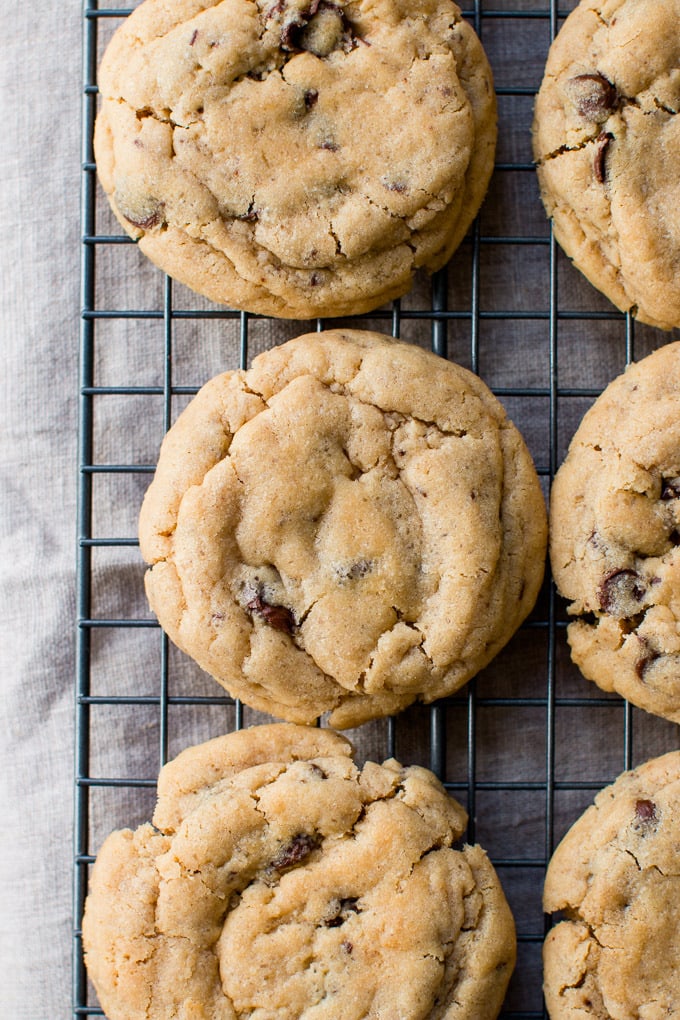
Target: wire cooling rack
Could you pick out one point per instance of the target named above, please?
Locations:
(528, 742)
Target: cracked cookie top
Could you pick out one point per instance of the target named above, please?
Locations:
(615, 533)
(616, 878)
(296, 157)
(281, 880)
(350, 525)
(607, 146)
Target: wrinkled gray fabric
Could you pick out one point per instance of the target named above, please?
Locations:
(39, 183)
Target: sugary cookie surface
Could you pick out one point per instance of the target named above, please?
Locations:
(348, 526)
(280, 880)
(616, 877)
(607, 143)
(296, 157)
(615, 536)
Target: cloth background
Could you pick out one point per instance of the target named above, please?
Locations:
(39, 191)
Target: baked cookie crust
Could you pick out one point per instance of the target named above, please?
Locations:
(349, 526)
(615, 536)
(607, 145)
(615, 877)
(296, 158)
(280, 880)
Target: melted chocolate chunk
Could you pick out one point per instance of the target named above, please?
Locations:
(320, 30)
(648, 656)
(278, 617)
(289, 34)
(593, 95)
(599, 167)
(147, 217)
(621, 593)
(294, 852)
(645, 810)
(670, 488)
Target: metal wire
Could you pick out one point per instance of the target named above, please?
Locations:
(467, 713)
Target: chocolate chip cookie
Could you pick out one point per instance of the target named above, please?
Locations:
(280, 880)
(607, 144)
(615, 877)
(350, 525)
(296, 157)
(615, 533)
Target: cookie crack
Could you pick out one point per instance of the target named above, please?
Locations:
(566, 148)
(336, 239)
(307, 611)
(662, 106)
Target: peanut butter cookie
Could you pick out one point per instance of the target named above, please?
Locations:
(615, 877)
(296, 157)
(607, 144)
(615, 533)
(279, 880)
(350, 525)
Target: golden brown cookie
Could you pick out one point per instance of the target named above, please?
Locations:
(296, 157)
(607, 144)
(615, 536)
(615, 876)
(279, 880)
(350, 525)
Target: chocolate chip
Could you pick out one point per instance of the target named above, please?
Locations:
(311, 98)
(648, 656)
(593, 95)
(194, 37)
(289, 35)
(621, 592)
(278, 617)
(670, 488)
(397, 186)
(320, 29)
(347, 946)
(645, 810)
(599, 168)
(294, 852)
(146, 217)
(324, 31)
(330, 145)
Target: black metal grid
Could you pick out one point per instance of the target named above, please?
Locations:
(526, 744)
